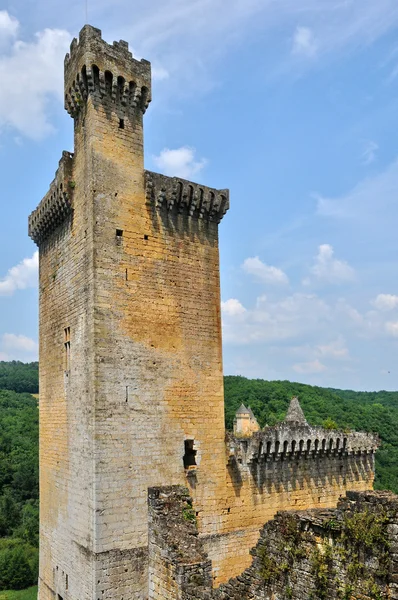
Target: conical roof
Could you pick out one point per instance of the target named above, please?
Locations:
(295, 415)
(251, 413)
(242, 410)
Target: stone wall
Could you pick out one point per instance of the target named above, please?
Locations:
(347, 553)
(284, 467)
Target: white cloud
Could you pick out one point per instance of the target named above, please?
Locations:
(18, 347)
(304, 43)
(314, 366)
(289, 318)
(11, 342)
(391, 328)
(179, 162)
(328, 269)
(8, 27)
(31, 74)
(264, 273)
(232, 307)
(336, 350)
(385, 302)
(22, 276)
(369, 153)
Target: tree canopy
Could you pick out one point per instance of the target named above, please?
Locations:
(19, 376)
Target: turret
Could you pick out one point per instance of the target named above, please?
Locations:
(108, 74)
(245, 423)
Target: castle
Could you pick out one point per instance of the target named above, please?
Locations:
(131, 380)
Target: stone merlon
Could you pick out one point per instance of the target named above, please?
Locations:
(194, 199)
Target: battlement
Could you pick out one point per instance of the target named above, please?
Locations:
(295, 438)
(179, 195)
(56, 204)
(284, 442)
(107, 73)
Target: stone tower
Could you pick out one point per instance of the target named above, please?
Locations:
(131, 389)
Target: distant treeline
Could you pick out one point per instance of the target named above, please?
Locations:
(19, 490)
(361, 411)
(19, 377)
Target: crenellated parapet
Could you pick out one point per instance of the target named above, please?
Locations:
(295, 438)
(107, 73)
(56, 205)
(181, 196)
(284, 442)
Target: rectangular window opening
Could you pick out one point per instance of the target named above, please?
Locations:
(119, 233)
(189, 457)
(67, 348)
(121, 123)
(146, 237)
(66, 582)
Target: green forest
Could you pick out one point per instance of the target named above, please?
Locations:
(19, 377)
(19, 431)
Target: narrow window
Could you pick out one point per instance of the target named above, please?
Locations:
(67, 348)
(96, 77)
(66, 582)
(119, 233)
(84, 76)
(127, 393)
(146, 237)
(121, 123)
(108, 83)
(190, 454)
(120, 88)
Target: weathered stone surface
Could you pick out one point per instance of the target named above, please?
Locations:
(57, 204)
(180, 196)
(341, 553)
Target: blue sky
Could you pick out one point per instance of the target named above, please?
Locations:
(293, 105)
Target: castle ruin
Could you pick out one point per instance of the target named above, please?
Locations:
(131, 380)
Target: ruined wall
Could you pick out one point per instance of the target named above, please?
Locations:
(282, 468)
(347, 553)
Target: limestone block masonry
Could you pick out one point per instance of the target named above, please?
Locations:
(131, 380)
